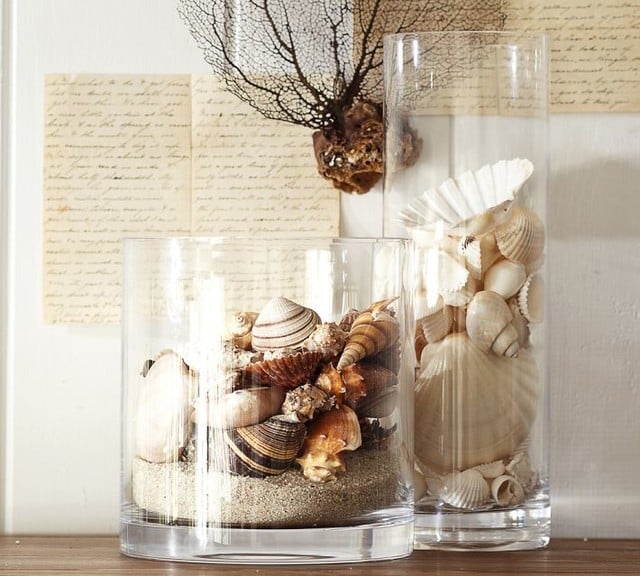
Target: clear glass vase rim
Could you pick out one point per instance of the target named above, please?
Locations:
(520, 37)
(261, 241)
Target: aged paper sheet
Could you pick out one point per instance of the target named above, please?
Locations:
(595, 51)
(157, 156)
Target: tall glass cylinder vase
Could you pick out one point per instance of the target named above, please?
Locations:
(474, 203)
(267, 400)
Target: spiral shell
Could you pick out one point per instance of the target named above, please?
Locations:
(239, 329)
(282, 324)
(507, 491)
(264, 449)
(489, 324)
(466, 490)
(505, 278)
(286, 371)
(328, 339)
(373, 331)
(370, 389)
(521, 238)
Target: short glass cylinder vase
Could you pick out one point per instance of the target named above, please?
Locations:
(474, 203)
(267, 403)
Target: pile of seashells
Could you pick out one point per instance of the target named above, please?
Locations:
(480, 251)
(291, 389)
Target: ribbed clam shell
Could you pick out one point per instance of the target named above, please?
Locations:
(286, 371)
(505, 278)
(466, 490)
(264, 449)
(444, 272)
(521, 238)
(282, 324)
(491, 469)
(437, 321)
(472, 407)
(373, 331)
(489, 324)
(531, 299)
(462, 296)
(469, 195)
(370, 389)
(507, 491)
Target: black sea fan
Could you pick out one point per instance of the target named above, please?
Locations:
(318, 63)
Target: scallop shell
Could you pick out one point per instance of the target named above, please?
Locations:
(479, 253)
(466, 490)
(507, 491)
(286, 371)
(444, 272)
(370, 389)
(489, 324)
(472, 407)
(264, 449)
(483, 193)
(437, 321)
(531, 299)
(329, 434)
(505, 278)
(521, 237)
(163, 409)
(242, 407)
(373, 331)
(283, 324)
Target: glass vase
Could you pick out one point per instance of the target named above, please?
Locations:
(267, 400)
(474, 204)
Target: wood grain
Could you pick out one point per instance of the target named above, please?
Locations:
(101, 555)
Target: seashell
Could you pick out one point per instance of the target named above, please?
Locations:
(390, 358)
(163, 409)
(444, 272)
(347, 319)
(507, 491)
(302, 403)
(370, 389)
(328, 339)
(373, 331)
(462, 296)
(331, 383)
(491, 470)
(264, 449)
(519, 323)
(330, 434)
(241, 408)
(286, 371)
(505, 278)
(472, 407)
(479, 253)
(460, 319)
(419, 340)
(437, 321)
(283, 324)
(239, 329)
(467, 489)
(521, 237)
(531, 299)
(520, 468)
(474, 201)
(489, 324)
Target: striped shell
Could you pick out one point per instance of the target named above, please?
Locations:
(282, 324)
(466, 490)
(285, 371)
(521, 238)
(373, 331)
(264, 449)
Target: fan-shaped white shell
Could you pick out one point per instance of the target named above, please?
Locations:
(472, 407)
(468, 195)
(466, 490)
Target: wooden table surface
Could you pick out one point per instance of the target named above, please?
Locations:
(100, 555)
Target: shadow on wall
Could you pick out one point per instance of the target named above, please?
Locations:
(600, 198)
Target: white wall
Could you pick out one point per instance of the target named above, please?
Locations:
(61, 384)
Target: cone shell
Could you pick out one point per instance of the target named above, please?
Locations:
(283, 324)
(489, 324)
(466, 490)
(505, 278)
(521, 238)
(507, 491)
(264, 449)
(531, 299)
(471, 407)
(373, 331)
(286, 371)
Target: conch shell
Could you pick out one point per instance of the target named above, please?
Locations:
(471, 407)
(373, 331)
(330, 434)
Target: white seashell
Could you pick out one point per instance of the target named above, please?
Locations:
(520, 468)
(472, 201)
(491, 470)
(507, 491)
(489, 324)
(519, 323)
(521, 237)
(242, 407)
(467, 490)
(163, 409)
(282, 324)
(505, 278)
(531, 299)
(479, 253)
(472, 407)
(444, 272)
(462, 296)
(437, 321)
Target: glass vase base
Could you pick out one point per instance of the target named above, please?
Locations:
(504, 530)
(267, 546)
